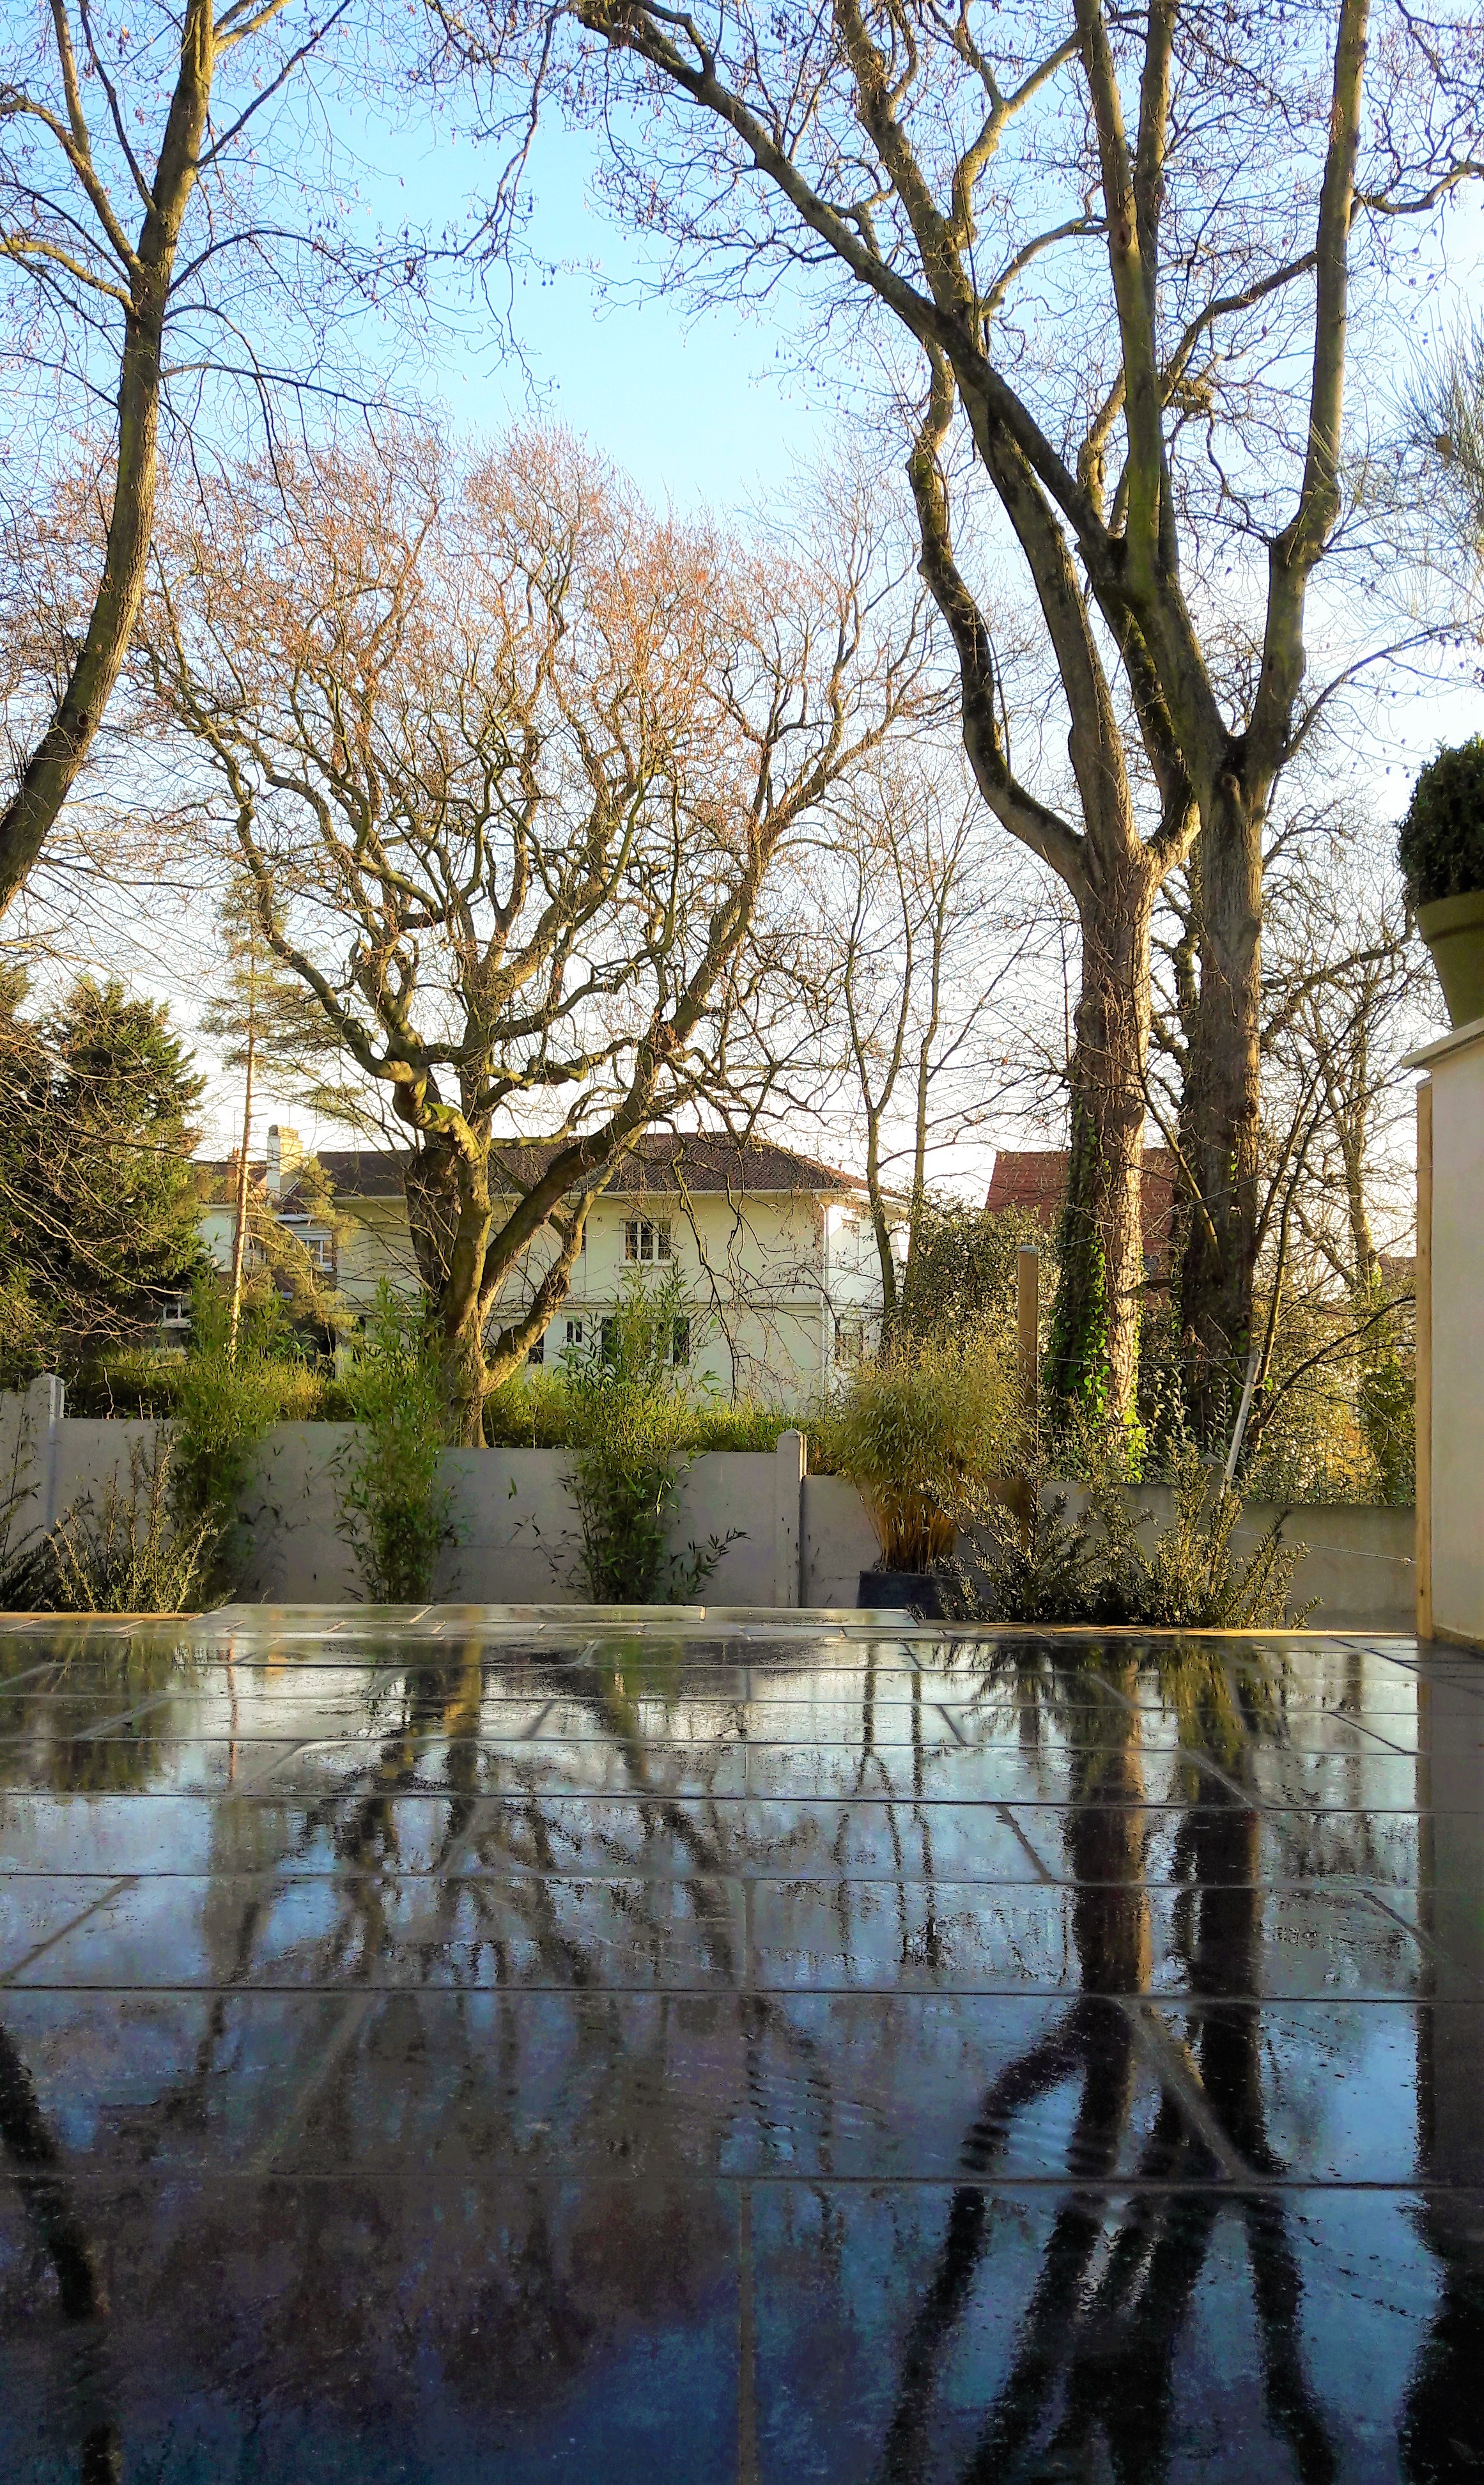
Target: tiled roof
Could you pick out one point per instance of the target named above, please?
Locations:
(663, 1162)
(1035, 1178)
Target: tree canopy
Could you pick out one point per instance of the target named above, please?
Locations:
(98, 1205)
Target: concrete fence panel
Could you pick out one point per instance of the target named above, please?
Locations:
(839, 1540)
(94, 1453)
(29, 1423)
(799, 1539)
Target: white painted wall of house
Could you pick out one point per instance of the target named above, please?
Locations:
(769, 1275)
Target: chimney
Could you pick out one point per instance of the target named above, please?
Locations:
(285, 1155)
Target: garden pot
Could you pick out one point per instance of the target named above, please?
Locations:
(886, 1591)
(1453, 929)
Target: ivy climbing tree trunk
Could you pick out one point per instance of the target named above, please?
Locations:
(1219, 1113)
(1093, 1356)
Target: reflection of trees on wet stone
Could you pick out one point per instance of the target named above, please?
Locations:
(1095, 2356)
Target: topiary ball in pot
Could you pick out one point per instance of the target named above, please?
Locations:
(1441, 852)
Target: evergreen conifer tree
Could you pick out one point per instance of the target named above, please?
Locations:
(98, 1207)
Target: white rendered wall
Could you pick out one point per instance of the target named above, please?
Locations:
(1457, 1284)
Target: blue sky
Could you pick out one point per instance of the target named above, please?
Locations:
(699, 408)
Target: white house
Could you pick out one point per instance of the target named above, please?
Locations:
(774, 1251)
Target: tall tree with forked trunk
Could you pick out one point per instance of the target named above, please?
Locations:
(509, 759)
(1120, 248)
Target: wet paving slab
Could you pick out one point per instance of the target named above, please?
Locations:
(457, 2044)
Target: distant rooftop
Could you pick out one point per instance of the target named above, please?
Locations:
(1035, 1178)
(663, 1162)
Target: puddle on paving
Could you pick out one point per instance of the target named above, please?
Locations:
(437, 2051)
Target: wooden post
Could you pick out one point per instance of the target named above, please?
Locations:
(1423, 1318)
(1028, 1371)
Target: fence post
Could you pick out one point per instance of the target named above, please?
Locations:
(789, 1462)
(1028, 1373)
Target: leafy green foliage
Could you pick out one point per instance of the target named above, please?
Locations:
(535, 1410)
(1441, 847)
(1076, 1373)
(923, 1432)
(258, 1001)
(144, 1381)
(224, 1404)
(632, 1421)
(129, 1553)
(960, 1271)
(395, 1510)
(1095, 1569)
(97, 1199)
(1386, 1404)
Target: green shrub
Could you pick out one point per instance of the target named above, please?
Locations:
(138, 1382)
(148, 1384)
(1441, 842)
(395, 1510)
(743, 1424)
(529, 1411)
(923, 1432)
(962, 1267)
(224, 1405)
(129, 1552)
(631, 1428)
(535, 1410)
(1095, 1571)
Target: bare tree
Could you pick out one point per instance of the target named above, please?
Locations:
(1120, 250)
(509, 760)
(912, 945)
(140, 221)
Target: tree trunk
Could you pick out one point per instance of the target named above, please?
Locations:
(55, 764)
(1220, 1116)
(239, 1230)
(449, 1230)
(1093, 1356)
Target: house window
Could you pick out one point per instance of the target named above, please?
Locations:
(645, 1240)
(680, 1348)
(574, 1333)
(174, 1311)
(319, 1246)
(536, 1354)
(849, 1341)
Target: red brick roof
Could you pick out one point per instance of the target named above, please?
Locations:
(1035, 1178)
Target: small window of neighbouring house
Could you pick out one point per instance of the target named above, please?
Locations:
(850, 1340)
(536, 1354)
(645, 1240)
(574, 1333)
(680, 1350)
